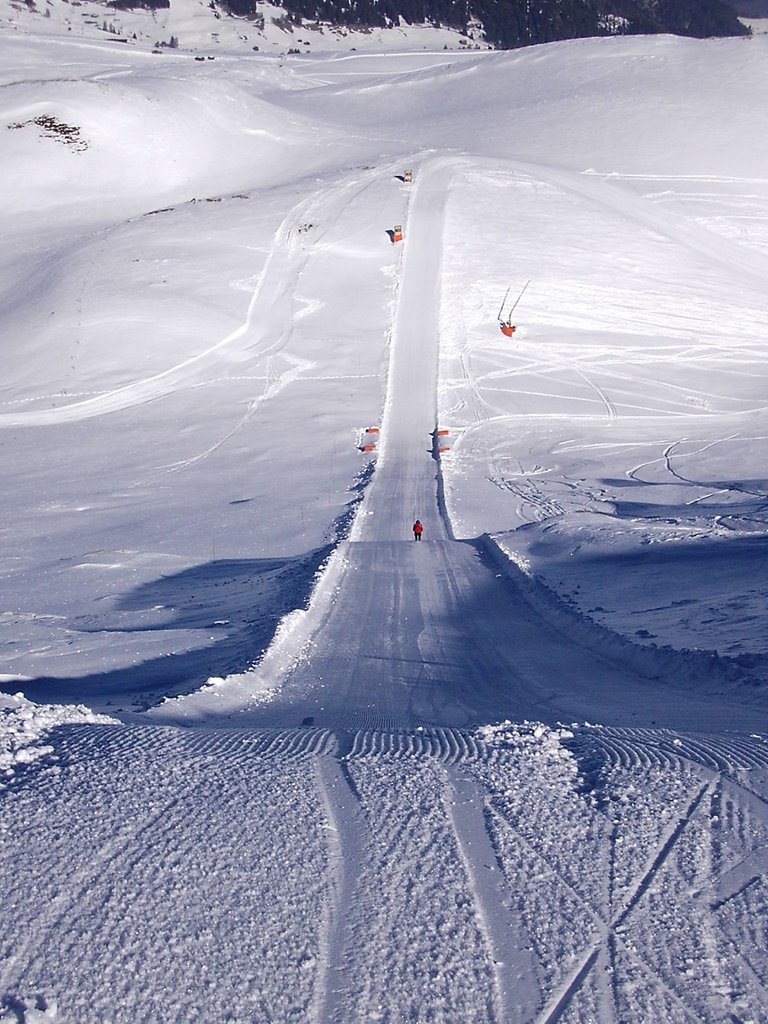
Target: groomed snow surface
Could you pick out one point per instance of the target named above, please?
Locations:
(263, 758)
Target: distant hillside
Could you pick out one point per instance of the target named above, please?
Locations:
(512, 23)
(301, 26)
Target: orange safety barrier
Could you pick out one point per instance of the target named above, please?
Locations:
(443, 448)
(372, 430)
(443, 433)
(369, 447)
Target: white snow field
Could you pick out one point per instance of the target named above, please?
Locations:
(265, 759)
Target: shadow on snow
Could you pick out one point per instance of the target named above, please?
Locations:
(239, 602)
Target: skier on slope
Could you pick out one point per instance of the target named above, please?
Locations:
(418, 529)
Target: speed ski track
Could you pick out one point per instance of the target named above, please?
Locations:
(360, 844)
(440, 633)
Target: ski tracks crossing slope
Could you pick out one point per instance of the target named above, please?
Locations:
(264, 331)
(697, 239)
(373, 849)
(441, 875)
(403, 635)
(410, 649)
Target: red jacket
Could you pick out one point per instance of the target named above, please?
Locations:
(418, 529)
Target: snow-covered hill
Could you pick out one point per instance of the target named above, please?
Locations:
(205, 29)
(206, 321)
(295, 27)
(183, 242)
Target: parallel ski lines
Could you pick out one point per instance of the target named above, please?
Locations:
(608, 935)
(448, 746)
(563, 998)
(674, 997)
(629, 749)
(56, 913)
(555, 1010)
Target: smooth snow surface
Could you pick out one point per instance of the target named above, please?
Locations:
(263, 757)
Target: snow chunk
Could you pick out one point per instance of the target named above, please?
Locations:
(519, 734)
(532, 740)
(23, 726)
(34, 1011)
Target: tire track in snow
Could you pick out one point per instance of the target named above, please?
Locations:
(237, 745)
(413, 945)
(449, 746)
(609, 932)
(516, 994)
(351, 826)
(661, 857)
(664, 748)
(191, 913)
(345, 842)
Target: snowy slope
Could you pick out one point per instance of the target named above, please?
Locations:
(382, 818)
(201, 27)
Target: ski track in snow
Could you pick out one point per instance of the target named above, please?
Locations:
(359, 844)
(599, 368)
(683, 232)
(264, 332)
(508, 974)
(472, 830)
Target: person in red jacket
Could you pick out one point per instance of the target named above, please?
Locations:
(418, 529)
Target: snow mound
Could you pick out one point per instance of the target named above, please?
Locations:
(533, 735)
(260, 684)
(23, 727)
(35, 1011)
